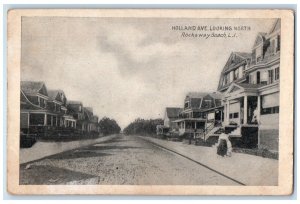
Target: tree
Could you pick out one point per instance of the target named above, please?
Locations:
(143, 127)
(109, 126)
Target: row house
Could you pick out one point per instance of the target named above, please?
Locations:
(249, 84)
(45, 112)
(91, 120)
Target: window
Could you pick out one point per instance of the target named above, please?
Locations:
(258, 77)
(42, 102)
(36, 119)
(271, 110)
(236, 74)
(226, 78)
(186, 104)
(259, 54)
(54, 121)
(235, 115)
(231, 115)
(278, 43)
(272, 46)
(258, 59)
(276, 73)
(207, 104)
(271, 77)
(49, 120)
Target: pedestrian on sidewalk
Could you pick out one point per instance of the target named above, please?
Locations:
(224, 146)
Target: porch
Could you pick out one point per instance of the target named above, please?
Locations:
(194, 126)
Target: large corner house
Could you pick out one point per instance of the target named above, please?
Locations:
(247, 102)
(46, 113)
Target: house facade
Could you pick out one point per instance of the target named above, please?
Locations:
(171, 114)
(46, 113)
(57, 103)
(200, 109)
(251, 100)
(35, 117)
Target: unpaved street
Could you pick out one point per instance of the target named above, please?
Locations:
(122, 160)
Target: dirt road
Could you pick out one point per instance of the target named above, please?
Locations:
(126, 160)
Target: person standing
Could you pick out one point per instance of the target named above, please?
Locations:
(224, 146)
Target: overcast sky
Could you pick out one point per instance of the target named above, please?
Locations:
(127, 68)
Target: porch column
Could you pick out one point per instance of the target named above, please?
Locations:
(258, 120)
(221, 116)
(45, 119)
(245, 109)
(227, 113)
(258, 109)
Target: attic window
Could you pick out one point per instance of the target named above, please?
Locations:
(278, 43)
(259, 54)
(273, 43)
(186, 105)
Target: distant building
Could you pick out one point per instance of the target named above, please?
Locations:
(171, 114)
(57, 103)
(75, 108)
(91, 120)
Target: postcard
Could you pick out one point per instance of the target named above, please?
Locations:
(150, 102)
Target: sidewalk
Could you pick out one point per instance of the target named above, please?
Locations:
(248, 169)
(43, 149)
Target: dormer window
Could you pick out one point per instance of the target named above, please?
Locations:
(259, 54)
(236, 74)
(186, 104)
(278, 43)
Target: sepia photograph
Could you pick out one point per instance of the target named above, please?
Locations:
(137, 99)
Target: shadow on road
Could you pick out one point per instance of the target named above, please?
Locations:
(49, 175)
(78, 154)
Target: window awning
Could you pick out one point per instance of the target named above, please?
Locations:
(271, 100)
(234, 107)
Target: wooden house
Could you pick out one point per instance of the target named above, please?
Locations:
(171, 114)
(75, 109)
(36, 118)
(251, 102)
(91, 120)
(198, 106)
(57, 103)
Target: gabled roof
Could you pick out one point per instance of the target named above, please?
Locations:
(276, 26)
(216, 95)
(173, 112)
(196, 94)
(87, 112)
(33, 87)
(53, 94)
(25, 103)
(260, 38)
(236, 58)
(74, 103)
(90, 109)
(242, 87)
